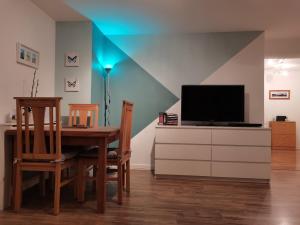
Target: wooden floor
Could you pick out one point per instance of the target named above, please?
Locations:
(285, 160)
(167, 201)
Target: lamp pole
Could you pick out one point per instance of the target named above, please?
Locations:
(107, 97)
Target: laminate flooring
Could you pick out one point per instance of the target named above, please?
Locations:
(285, 160)
(174, 201)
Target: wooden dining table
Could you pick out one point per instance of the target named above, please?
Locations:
(100, 137)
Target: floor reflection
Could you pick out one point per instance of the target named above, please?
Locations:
(285, 160)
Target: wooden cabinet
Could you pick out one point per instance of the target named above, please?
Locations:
(283, 135)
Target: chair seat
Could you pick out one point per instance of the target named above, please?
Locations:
(68, 154)
(64, 156)
(111, 153)
(81, 148)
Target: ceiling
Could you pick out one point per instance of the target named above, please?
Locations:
(279, 19)
(59, 10)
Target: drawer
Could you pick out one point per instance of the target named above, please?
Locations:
(241, 154)
(283, 128)
(249, 137)
(181, 167)
(283, 140)
(241, 170)
(177, 151)
(183, 136)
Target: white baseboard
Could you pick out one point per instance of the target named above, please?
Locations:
(140, 166)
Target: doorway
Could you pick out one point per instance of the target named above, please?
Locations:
(282, 77)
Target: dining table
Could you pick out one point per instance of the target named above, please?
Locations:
(70, 136)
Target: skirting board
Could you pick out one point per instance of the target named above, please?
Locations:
(140, 166)
(216, 179)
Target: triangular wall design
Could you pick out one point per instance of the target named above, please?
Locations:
(175, 60)
(246, 68)
(150, 71)
(129, 81)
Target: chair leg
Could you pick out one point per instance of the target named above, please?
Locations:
(42, 184)
(18, 188)
(128, 176)
(81, 181)
(120, 183)
(52, 181)
(76, 169)
(68, 172)
(123, 177)
(57, 189)
(75, 189)
(94, 176)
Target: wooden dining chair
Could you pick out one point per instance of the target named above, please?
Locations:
(38, 147)
(83, 115)
(119, 157)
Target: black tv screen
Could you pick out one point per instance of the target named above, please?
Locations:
(212, 103)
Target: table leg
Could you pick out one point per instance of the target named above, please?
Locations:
(101, 176)
(13, 171)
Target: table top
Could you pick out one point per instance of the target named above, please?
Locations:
(70, 131)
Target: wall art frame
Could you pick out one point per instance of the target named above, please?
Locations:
(72, 84)
(72, 59)
(27, 56)
(279, 94)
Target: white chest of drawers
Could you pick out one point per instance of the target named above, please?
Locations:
(233, 152)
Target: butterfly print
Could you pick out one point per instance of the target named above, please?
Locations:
(72, 84)
(72, 59)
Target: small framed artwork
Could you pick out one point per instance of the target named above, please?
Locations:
(71, 59)
(279, 94)
(27, 56)
(71, 84)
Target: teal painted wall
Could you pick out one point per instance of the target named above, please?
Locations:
(73, 36)
(127, 81)
(150, 73)
(97, 89)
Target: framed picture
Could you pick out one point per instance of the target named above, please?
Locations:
(27, 56)
(71, 59)
(71, 84)
(279, 94)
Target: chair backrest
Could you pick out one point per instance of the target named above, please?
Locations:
(87, 114)
(31, 142)
(126, 126)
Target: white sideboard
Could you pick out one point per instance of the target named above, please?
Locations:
(233, 152)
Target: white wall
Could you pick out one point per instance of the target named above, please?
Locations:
(276, 80)
(22, 21)
(246, 68)
(282, 48)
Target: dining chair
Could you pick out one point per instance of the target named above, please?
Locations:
(39, 147)
(83, 115)
(119, 157)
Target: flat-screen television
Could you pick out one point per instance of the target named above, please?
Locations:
(212, 103)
